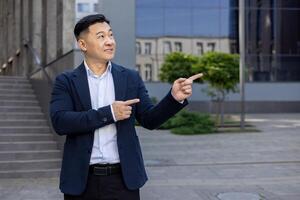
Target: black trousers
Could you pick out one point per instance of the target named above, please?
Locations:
(106, 188)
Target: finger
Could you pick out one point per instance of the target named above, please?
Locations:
(127, 112)
(196, 76)
(188, 91)
(186, 87)
(187, 95)
(128, 108)
(131, 101)
(180, 80)
(186, 82)
(126, 116)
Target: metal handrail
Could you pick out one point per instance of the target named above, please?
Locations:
(37, 61)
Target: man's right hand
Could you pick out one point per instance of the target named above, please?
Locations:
(122, 109)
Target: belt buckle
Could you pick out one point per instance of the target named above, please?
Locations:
(102, 171)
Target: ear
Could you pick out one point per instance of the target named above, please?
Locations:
(82, 45)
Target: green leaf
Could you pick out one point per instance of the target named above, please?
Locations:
(177, 65)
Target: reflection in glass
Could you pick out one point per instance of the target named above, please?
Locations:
(167, 47)
(147, 48)
(200, 48)
(148, 72)
(272, 33)
(178, 46)
(138, 48)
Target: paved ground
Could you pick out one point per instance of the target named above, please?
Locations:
(202, 167)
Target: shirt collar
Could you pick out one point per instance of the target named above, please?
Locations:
(91, 73)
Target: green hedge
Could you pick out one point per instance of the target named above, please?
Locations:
(190, 123)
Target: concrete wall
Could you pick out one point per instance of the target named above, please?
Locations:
(46, 25)
(10, 38)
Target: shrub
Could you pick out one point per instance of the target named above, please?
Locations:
(201, 128)
(188, 123)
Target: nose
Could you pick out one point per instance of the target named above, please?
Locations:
(109, 41)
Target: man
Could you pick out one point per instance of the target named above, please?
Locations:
(95, 106)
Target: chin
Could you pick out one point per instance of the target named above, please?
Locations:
(110, 57)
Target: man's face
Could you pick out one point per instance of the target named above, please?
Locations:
(98, 42)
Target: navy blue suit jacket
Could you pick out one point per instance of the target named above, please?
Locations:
(72, 115)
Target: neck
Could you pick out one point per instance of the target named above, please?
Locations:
(97, 67)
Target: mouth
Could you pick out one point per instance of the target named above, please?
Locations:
(109, 50)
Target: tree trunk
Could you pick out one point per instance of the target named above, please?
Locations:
(217, 119)
(222, 108)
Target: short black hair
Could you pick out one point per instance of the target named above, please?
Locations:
(84, 23)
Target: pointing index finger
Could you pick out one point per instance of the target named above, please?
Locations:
(196, 76)
(131, 101)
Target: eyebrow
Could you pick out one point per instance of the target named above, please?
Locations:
(110, 30)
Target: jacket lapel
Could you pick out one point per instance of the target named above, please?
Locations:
(120, 82)
(82, 86)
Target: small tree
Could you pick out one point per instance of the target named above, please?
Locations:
(221, 71)
(177, 65)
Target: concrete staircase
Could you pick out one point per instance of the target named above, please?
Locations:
(27, 146)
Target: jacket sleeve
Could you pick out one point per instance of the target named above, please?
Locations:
(150, 116)
(66, 120)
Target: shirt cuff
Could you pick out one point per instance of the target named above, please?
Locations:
(112, 113)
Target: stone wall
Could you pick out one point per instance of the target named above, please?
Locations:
(45, 25)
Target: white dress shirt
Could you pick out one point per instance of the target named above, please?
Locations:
(102, 93)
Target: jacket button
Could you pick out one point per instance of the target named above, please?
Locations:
(104, 119)
(89, 151)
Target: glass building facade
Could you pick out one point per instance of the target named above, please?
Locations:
(272, 32)
(273, 40)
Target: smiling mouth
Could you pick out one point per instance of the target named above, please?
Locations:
(109, 50)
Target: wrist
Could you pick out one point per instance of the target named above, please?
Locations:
(175, 97)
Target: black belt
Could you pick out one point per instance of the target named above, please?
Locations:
(105, 169)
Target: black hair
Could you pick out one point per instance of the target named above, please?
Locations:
(84, 23)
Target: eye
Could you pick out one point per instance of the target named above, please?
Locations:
(100, 36)
(110, 34)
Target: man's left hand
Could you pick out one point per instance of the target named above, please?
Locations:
(182, 87)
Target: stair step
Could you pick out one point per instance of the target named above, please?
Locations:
(19, 103)
(15, 86)
(17, 96)
(33, 129)
(30, 164)
(40, 173)
(29, 155)
(12, 79)
(23, 123)
(20, 109)
(27, 145)
(25, 137)
(16, 91)
(36, 145)
(19, 116)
